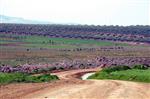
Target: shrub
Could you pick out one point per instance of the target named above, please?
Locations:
(140, 67)
(115, 68)
(61, 68)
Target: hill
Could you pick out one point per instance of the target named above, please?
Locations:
(8, 19)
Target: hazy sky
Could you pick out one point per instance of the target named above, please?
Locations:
(98, 12)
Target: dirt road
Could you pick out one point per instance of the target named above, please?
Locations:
(71, 87)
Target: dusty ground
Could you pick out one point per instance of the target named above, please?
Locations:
(71, 87)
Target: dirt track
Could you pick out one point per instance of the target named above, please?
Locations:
(70, 87)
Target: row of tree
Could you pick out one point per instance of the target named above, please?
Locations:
(123, 33)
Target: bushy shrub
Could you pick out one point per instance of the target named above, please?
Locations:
(43, 70)
(61, 68)
(140, 67)
(115, 68)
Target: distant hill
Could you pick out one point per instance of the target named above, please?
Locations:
(8, 19)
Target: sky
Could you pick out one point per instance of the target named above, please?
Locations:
(91, 12)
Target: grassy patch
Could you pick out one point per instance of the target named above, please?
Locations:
(55, 43)
(124, 73)
(71, 42)
(41, 78)
(49, 46)
(22, 77)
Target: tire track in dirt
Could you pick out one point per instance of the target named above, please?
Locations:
(71, 87)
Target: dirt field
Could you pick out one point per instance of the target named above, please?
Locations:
(71, 87)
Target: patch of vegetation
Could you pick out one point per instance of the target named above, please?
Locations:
(139, 73)
(22, 77)
(114, 33)
(41, 78)
(53, 43)
(43, 70)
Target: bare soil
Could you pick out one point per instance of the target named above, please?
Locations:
(70, 86)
